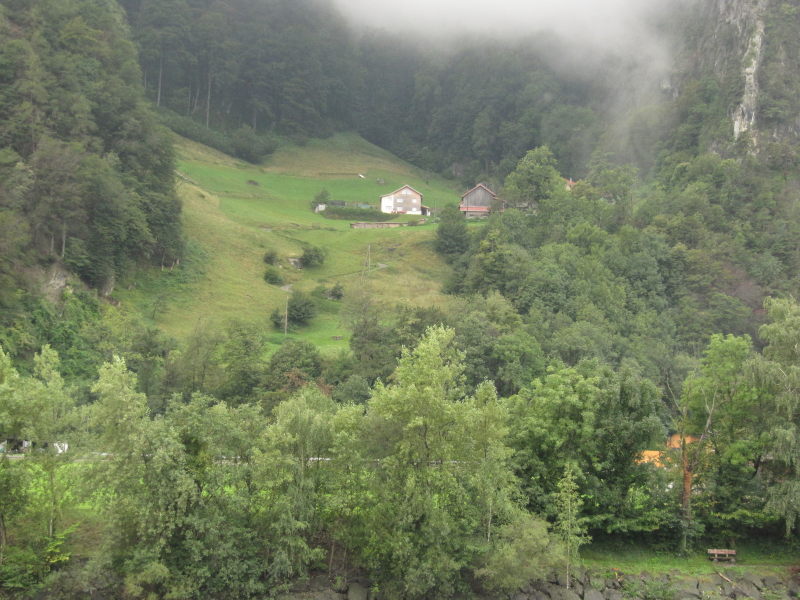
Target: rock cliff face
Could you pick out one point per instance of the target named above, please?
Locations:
(750, 47)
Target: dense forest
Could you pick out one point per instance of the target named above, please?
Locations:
(437, 456)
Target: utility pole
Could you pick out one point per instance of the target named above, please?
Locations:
(367, 263)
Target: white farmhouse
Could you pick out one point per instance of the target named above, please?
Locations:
(405, 201)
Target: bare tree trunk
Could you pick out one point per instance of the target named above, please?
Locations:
(160, 78)
(2, 538)
(51, 525)
(686, 496)
(208, 99)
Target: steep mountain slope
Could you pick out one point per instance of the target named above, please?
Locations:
(749, 49)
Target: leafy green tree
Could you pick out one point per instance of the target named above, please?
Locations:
(778, 371)
(728, 414)
(569, 526)
(293, 365)
(577, 416)
(523, 551)
(47, 398)
(427, 448)
(299, 310)
(452, 236)
(535, 180)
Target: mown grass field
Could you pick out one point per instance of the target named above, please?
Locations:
(754, 556)
(234, 212)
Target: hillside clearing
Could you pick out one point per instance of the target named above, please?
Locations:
(234, 212)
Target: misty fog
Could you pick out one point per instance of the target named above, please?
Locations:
(616, 23)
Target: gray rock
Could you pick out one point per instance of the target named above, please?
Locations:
(793, 587)
(527, 588)
(568, 595)
(687, 589)
(727, 589)
(612, 594)
(754, 579)
(597, 581)
(771, 581)
(592, 594)
(520, 596)
(745, 589)
(356, 591)
(708, 587)
(539, 595)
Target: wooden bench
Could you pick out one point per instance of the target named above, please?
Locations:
(716, 554)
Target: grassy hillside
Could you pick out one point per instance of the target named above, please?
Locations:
(234, 212)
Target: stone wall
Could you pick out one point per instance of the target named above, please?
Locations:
(733, 583)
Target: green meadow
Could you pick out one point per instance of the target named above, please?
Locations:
(233, 212)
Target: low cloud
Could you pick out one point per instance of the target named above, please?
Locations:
(613, 23)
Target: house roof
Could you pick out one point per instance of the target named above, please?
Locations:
(656, 457)
(674, 441)
(651, 456)
(400, 189)
(480, 185)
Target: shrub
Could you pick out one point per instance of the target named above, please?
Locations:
(336, 292)
(271, 256)
(356, 214)
(313, 256)
(243, 143)
(250, 146)
(273, 276)
(301, 310)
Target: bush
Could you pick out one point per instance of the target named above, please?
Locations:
(301, 310)
(250, 146)
(313, 256)
(273, 276)
(356, 214)
(336, 292)
(243, 143)
(271, 256)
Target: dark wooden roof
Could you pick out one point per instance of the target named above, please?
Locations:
(480, 185)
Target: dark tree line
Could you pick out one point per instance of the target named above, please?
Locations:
(86, 175)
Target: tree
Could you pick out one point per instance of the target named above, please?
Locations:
(778, 371)
(427, 449)
(299, 310)
(524, 550)
(597, 422)
(569, 527)
(452, 236)
(720, 420)
(293, 365)
(47, 398)
(535, 179)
